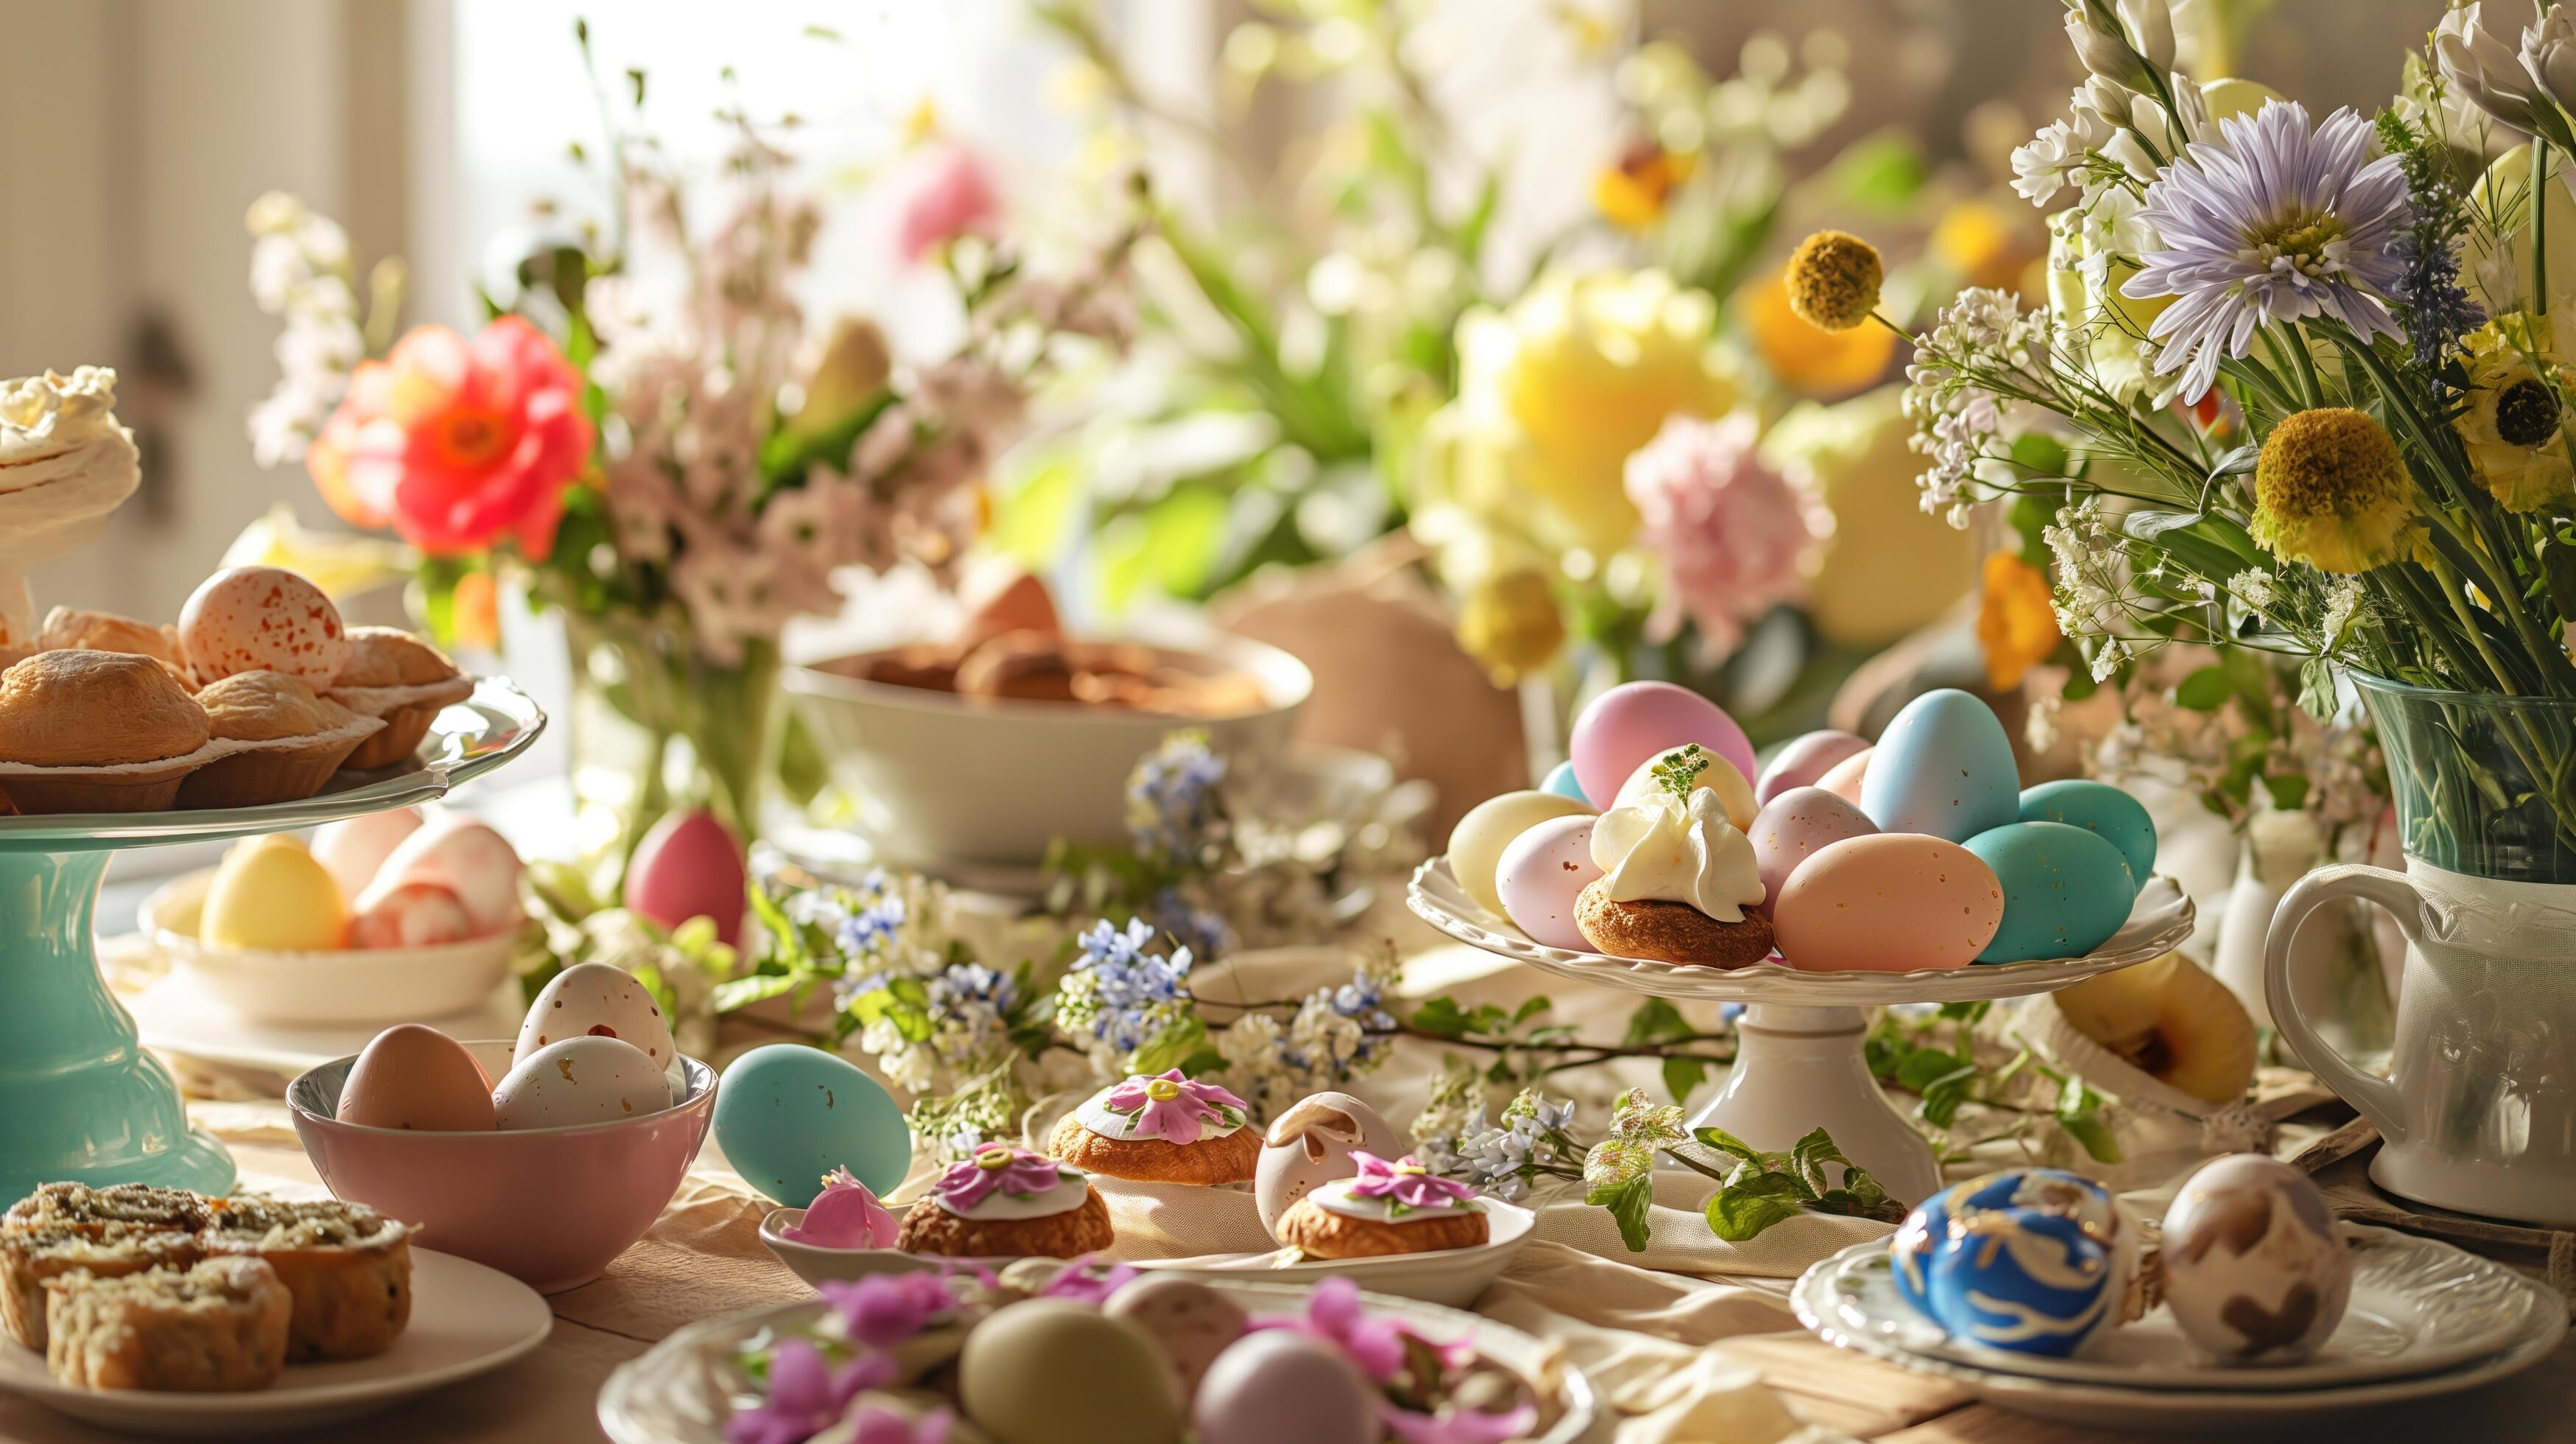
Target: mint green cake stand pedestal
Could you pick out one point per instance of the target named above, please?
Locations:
(79, 1098)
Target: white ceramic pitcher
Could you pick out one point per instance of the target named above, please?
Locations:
(2479, 1111)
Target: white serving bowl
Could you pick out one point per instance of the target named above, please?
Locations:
(343, 986)
(943, 779)
(818, 1265)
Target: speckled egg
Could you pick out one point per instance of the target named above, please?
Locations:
(2254, 1268)
(1894, 903)
(1795, 826)
(576, 1082)
(464, 856)
(2097, 807)
(2066, 890)
(597, 1000)
(1050, 1371)
(1191, 1322)
(1942, 767)
(410, 1076)
(1542, 873)
(1476, 844)
(1718, 776)
(788, 1114)
(249, 619)
(1845, 778)
(1280, 1386)
(2029, 1260)
(414, 915)
(1804, 761)
(1637, 720)
(1561, 781)
(1310, 1145)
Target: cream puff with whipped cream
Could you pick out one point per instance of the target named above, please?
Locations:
(1679, 880)
(65, 464)
(1161, 1128)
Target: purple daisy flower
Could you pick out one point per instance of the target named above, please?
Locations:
(2270, 224)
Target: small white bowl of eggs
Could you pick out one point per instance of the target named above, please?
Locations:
(391, 917)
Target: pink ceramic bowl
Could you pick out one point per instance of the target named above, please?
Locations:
(549, 1206)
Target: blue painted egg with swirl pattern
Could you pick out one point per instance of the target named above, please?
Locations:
(2029, 1260)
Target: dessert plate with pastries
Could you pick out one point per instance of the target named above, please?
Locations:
(160, 1311)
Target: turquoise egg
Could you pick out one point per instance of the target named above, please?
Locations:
(787, 1114)
(1561, 782)
(2097, 807)
(2065, 890)
(1943, 767)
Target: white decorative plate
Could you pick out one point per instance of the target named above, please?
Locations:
(339, 988)
(818, 1265)
(1450, 1276)
(2159, 922)
(683, 1389)
(465, 1320)
(2422, 1312)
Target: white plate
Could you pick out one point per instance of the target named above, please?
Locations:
(345, 986)
(2159, 921)
(683, 1389)
(1450, 1276)
(465, 1320)
(2143, 1390)
(176, 1017)
(817, 1265)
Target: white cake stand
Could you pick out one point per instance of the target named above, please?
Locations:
(1798, 1059)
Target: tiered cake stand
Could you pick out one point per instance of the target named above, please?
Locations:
(79, 1098)
(1798, 1059)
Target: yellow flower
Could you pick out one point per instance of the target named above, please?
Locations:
(1806, 358)
(1510, 624)
(1633, 193)
(2514, 425)
(1984, 244)
(1834, 278)
(2330, 490)
(2016, 619)
(1888, 568)
(340, 563)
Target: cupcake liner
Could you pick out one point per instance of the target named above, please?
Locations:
(114, 787)
(284, 769)
(406, 712)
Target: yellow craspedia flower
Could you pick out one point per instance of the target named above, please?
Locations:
(1633, 192)
(1509, 623)
(2514, 427)
(1806, 358)
(2331, 491)
(1834, 278)
(2016, 619)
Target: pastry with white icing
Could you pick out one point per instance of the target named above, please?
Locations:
(1161, 1128)
(1679, 881)
(1387, 1208)
(1007, 1202)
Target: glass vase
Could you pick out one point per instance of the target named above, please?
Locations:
(659, 728)
(2485, 786)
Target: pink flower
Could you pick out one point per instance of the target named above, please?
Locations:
(1736, 537)
(872, 1425)
(845, 1214)
(1458, 1426)
(882, 1310)
(1088, 1280)
(1172, 1108)
(995, 1168)
(951, 193)
(1406, 1182)
(806, 1394)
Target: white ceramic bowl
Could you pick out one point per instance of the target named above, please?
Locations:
(944, 779)
(817, 1265)
(347, 986)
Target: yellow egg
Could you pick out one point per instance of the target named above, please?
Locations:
(269, 894)
(1476, 844)
(1719, 776)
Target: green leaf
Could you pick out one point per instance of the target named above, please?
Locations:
(1441, 1015)
(1882, 172)
(2206, 690)
(1628, 1201)
(1682, 1075)
(2289, 790)
(1166, 1049)
(1530, 1009)
(1812, 1155)
(1943, 1096)
(1741, 1211)
(1654, 1021)
(1728, 1143)
(2316, 689)
(743, 992)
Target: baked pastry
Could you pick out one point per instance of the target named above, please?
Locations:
(1678, 881)
(33, 1253)
(174, 1209)
(1008, 1202)
(390, 673)
(84, 731)
(76, 629)
(1163, 1129)
(1389, 1208)
(219, 1325)
(288, 740)
(1669, 932)
(347, 1266)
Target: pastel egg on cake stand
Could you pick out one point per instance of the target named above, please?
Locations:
(1561, 781)
(1542, 873)
(1943, 767)
(1631, 723)
(1803, 762)
(1476, 844)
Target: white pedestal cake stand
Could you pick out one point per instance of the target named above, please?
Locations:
(1798, 1060)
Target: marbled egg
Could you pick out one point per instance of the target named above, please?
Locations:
(1476, 844)
(414, 915)
(410, 1076)
(2254, 1268)
(1190, 1321)
(1637, 720)
(597, 1000)
(1942, 767)
(1795, 826)
(354, 848)
(1542, 873)
(1718, 775)
(1281, 1386)
(1561, 781)
(2029, 1260)
(250, 619)
(1051, 1371)
(462, 855)
(2098, 807)
(1804, 761)
(1894, 903)
(579, 1081)
(788, 1114)
(2065, 890)
(1846, 778)
(1310, 1145)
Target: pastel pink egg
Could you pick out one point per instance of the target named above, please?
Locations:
(1899, 902)
(1633, 721)
(1805, 761)
(414, 915)
(1795, 826)
(1542, 873)
(354, 848)
(251, 619)
(1844, 778)
(463, 856)
(689, 866)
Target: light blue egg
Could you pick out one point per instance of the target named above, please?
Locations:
(787, 1114)
(1943, 767)
(2030, 1260)
(1561, 782)
(2065, 890)
(2097, 807)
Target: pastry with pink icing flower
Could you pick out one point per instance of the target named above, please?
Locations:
(1007, 1202)
(846, 1214)
(1387, 1208)
(1161, 1128)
